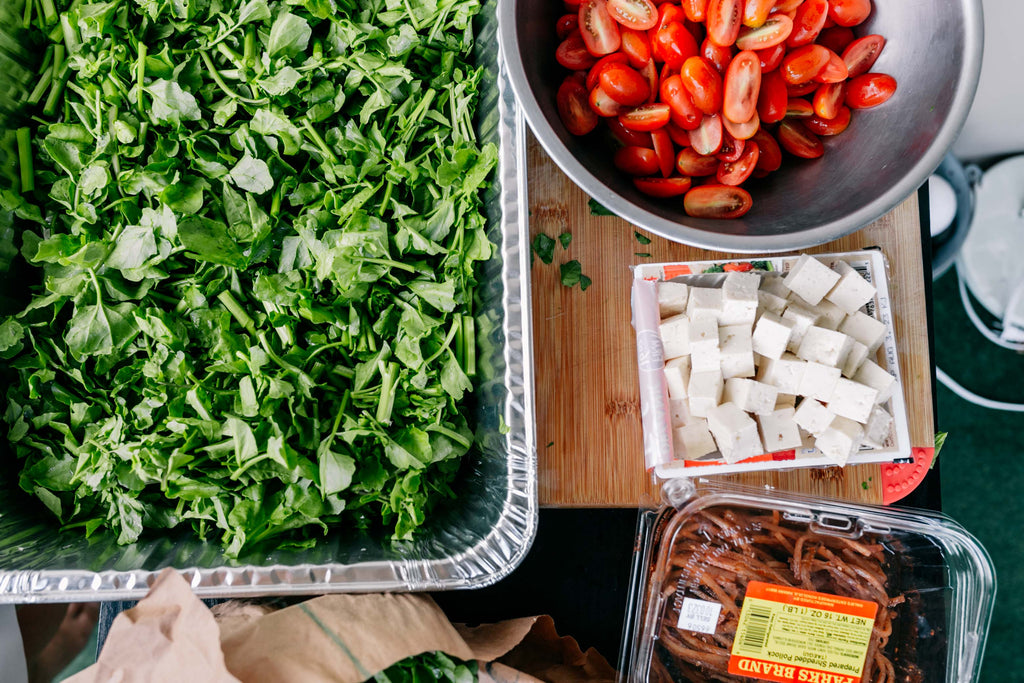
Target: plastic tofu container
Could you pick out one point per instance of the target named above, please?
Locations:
(731, 584)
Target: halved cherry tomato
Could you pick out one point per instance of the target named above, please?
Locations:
(741, 87)
(663, 187)
(804, 63)
(573, 108)
(724, 18)
(685, 113)
(594, 75)
(869, 90)
(833, 126)
(836, 38)
(784, 6)
(860, 55)
(771, 102)
(755, 12)
(717, 201)
(624, 85)
(707, 138)
(636, 161)
(646, 117)
(673, 44)
(703, 83)
(769, 157)
(679, 136)
(572, 53)
(566, 24)
(664, 150)
(834, 72)
(716, 54)
(795, 138)
(797, 108)
(695, 10)
(650, 72)
(772, 32)
(808, 22)
(849, 12)
(668, 13)
(638, 15)
(691, 163)
(629, 138)
(636, 47)
(600, 31)
(603, 105)
(742, 131)
(736, 172)
(828, 99)
(572, 6)
(828, 23)
(771, 57)
(731, 149)
(802, 89)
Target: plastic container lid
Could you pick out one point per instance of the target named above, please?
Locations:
(733, 585)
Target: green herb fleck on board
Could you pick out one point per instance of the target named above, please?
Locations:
(641, 238)
(544, 247)
(940, 441)
(864, 485)
(642, 254)
(550, 444)
(571, 273)
(565, 239)
(597, 209)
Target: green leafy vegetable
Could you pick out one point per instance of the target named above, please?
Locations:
(544, 247)
(565, 239)
(429, 667)
(641, 238)
(642, 254)
(572, 274)
(597, 209)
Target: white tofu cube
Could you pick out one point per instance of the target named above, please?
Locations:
(840, 440)
(813, 417)
(774, 283)
(677, 376)
(672, 298)
(820, 345)
(679, 412)
(737, 355)
(829, 315)
(803, 318)
(704, 350)
(811, 279)
(785, 401)
(878, 426)
(771, 335)
(852, 291)
(779, 431)
(853, 400)
(705, 391)
(739, 298)
(858, 354)
(865, 329)
(877, 377)
(773, 303)
(784, 374)
(705, 302)
(819, 381)
(735, 433)
(693, 440)
(675, 336)
(750, 395)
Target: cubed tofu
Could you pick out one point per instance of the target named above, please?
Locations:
(774, 283)
(813, 417)
(773, 303)
(840, 440)
(865, 329)
(735, 433)
(779, 431)
(858, 354)
(750, 395)
(736, 352)
(874, 375)
(818, 381)
(784, 374)
(877, 428)
(771, 335)
(830, 316)
(803, 318)
(675, 336)
(704, 349)
(739, 299)
(825, 346)
(679, 412)
(852, 291)
(693, 440)
(705, 302)
(677, 376)
(852, 400)
(705, 391)
(785, 401)
(811, 279)
(672, 298)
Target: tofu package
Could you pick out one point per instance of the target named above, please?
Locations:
(771, 363)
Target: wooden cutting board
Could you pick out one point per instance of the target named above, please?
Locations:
(589, 438)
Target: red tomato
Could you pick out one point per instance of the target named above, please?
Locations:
(703, 83)
(771, 57)
(629, 138)
(636, 161)
(673, 44)
(742, 131)
(650, 72)
(664, 150)
(707, 138)
(860, 55)
(716, 54)
(741, 87)
(836, 38)
(869, 90)
(566, 24)
(624, 85)
(663, 187)
(833, 126)
(771, 102)
(572, 6)
(679, 136)
(796, 139)
(755, 12)
(731, 148)
(603, 105)
(573, 109)
(690, 163)
(647, 117)
(684, 112)
(594, 75)
(808, 22)
(724, 18)
(668, 13)
(783, 6)
(717, 201)
(736, 172)
(638, 15)
(769, 157)
(695, 10)
(797, 108)
(636, 47)
(828, 99)
(600, 31)
(835, 71)
(772, 32)
(572, 53)
(849, 12)
(804, 63)
(802, 89)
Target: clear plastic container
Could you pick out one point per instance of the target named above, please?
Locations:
(809, 568)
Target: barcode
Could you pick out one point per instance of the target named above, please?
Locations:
(756, 633)
(865, 272)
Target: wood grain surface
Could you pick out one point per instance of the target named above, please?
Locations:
(589, 436)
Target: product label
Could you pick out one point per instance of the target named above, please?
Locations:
(788, 634)
(699, 615)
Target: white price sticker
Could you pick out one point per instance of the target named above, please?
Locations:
(699, 615)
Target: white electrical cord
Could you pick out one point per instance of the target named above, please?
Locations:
(979, 323)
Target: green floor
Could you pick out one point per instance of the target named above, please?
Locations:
(981, 469)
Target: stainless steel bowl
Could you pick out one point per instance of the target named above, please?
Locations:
(934, 52)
